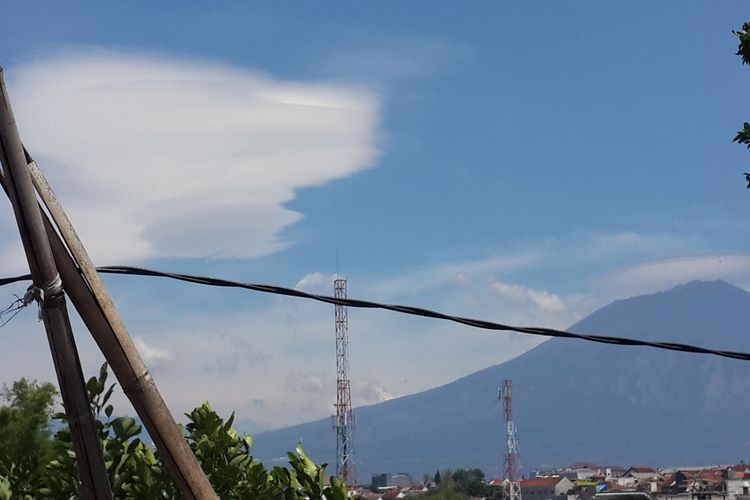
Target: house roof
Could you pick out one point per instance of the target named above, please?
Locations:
(707, 474)
(641, 470)
(391, 494)
(617, 487)
(666, 478)
(541, 482)
(583, 465)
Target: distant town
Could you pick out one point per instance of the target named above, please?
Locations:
(585, 481)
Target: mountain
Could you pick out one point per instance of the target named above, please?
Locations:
(573, 400)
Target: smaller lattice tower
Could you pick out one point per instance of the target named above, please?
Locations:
(343, 421)
(512, 483)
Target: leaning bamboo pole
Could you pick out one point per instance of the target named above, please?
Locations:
(98, 312)
(93, 303)
(47, 290)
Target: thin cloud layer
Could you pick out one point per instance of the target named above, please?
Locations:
(663, 274)
(160, 157)
(392, 355)
(275, 365)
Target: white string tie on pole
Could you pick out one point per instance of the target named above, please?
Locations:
(48, 291)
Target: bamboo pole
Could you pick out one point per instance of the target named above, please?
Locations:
(94, 305)
(48, 291)
(146, 399)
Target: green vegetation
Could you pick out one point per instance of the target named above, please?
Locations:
(34, 464)
(462, 484)
(25, 445)
(743, 50)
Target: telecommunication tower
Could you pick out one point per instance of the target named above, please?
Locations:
(343, 421)
(513, 485)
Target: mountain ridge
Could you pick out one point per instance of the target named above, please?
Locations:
(572, 399)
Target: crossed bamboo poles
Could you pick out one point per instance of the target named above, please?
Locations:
(60, 265)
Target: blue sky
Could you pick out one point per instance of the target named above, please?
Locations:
(525, 162)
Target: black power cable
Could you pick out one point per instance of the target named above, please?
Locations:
(415, 311)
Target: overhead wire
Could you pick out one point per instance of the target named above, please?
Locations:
(410, 310)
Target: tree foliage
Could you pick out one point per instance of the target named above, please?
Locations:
(25, 445)
(743, 50)
(469, 481)
(462, 484)
(135, 470)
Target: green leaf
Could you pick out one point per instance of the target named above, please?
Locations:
(134, 444)
(239, 461)
(338, 489)
(307, 465)
(5, 492)
(93, 387)
(107, 394)
(743, 49)
(230, 421)
(103, 373)
(125, 427)
(247, 443)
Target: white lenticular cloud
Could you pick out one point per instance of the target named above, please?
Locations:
(161, 157)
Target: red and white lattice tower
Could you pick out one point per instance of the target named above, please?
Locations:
(512, 483)
(343, 421)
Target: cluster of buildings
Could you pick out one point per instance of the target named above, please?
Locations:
(395, 493)
(393, 486)
(585, 481)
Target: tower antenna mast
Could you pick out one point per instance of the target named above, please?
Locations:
(343, 421)
(512, 483)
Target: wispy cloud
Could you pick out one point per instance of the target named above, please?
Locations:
(316, 282)
(457, 273)
(152, 355)
(310, 392)
(232, 352)
(633, 244)
(387, 57)
(369, 392)
(392, 355)
(662, 274)
(161, 157)
(538, 298)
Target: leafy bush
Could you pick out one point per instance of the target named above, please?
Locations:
(137, 472)
(24, 435)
